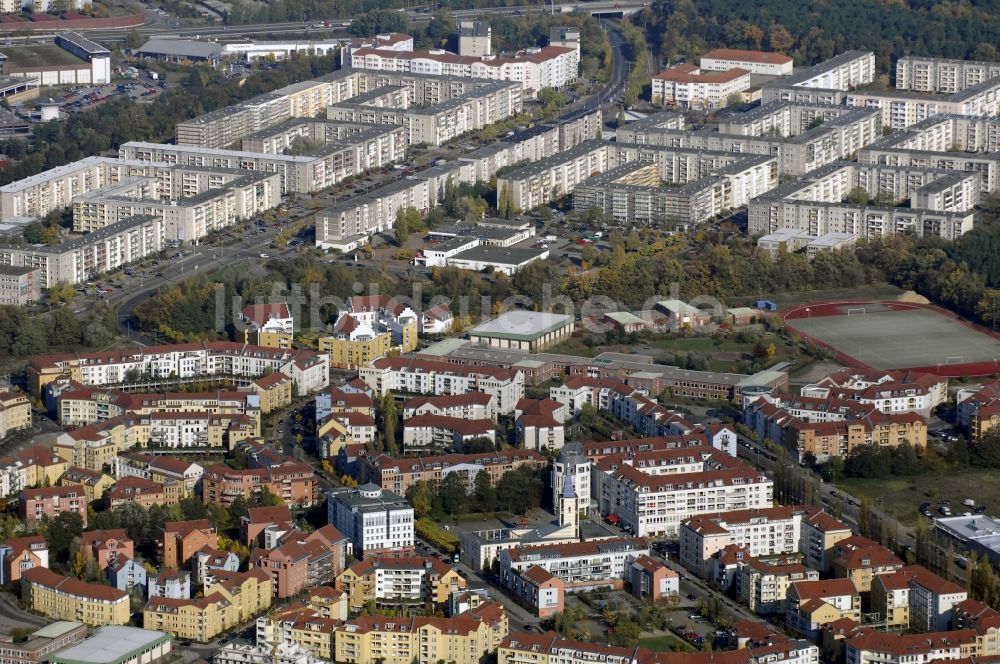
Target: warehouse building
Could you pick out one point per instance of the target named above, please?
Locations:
(117, 644)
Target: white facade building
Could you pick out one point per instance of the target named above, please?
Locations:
(372, 519)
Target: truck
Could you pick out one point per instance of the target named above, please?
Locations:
(154, 76)
(549, 238)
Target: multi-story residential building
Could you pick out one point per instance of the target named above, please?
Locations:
(142, 492)
(303, 626)
(182, 539)
(942, 75)
(64, 598)
(77, 405)
(555, 176)
(756, 62)
(825, 82)
(77, 260)
(19, 554)
(49, 502)
(301, 560)
(232, 600)
(763, 532)
(918, 598)
(412, 376)
(470, 406)
(293, 481)
(445, 433)
(652, 504)
(580, 565)
(534, 68)
(125, 573)
(373, 519)
(812, 604)
(394, 581)
(158, 468)
(819, 535)
(153, 364)
(171, 583)
(464, 639)
(15, 413)
(370, 327)
(208, 560)
(270, 325)
(30, 466)
(763, 586)
(94, 482)
(978, 409)
(902, 109)
(861, 560)
(19, 285)
(889, 391)
(398, 475)
(871, 646)
(103, 545)
(649, 578)
(686, 85)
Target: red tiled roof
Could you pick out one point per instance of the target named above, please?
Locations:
(261, 313)
(45, 577)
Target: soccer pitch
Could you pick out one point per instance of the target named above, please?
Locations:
(900, 339)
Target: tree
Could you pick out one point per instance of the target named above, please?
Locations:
(387, 419)
(484, 493)
(754, 35)
(377, 21)
(265, 498)
(133, 39)
(61, 531)
(452, 493)
(401, 228)
(420, 495)
(780, 38)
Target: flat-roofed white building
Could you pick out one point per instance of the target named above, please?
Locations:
(755, 62)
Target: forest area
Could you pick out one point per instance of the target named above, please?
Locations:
(811, 32)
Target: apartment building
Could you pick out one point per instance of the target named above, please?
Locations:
(293, 481)
(657, 504)
(900, 109)
(158, 468)
(395, 581)
(429, 432)
(147, 366)
(192, 202)
(373, 519)
(537, 183)
(534, 68)
(889, 391)
(51, 501)
(182, 539)
(471, 405)
(19, 554)
(172, 584)
(860, 560)
(142, 492)
(78, 260)
(103, 545)
(30, 466)
(870, 646)
(649, 578)
(233, 599)
(763, 586)
(301, 626)
(371, 326)
(64, 598)
(398, 475)
(76, 405)
(978, 409)
(926, 601)
(464, 639)
(270, 325)
(413, 376)
(942, 75)
(756, 62)
(686, 85)
(812, 604)
(764, 532)
(658, 192)
(826, 81)
(580, 565)
(298, 560)
(19, 285)
(819, 536)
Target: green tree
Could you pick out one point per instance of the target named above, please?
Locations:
(133, 39)
(61, 531)
(401, 229)
(484, 493)
(420, 495)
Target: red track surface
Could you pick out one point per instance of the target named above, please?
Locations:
(833, 308)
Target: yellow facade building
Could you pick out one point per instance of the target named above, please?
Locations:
(232, 600)
(15, 412)
(392, 580)
(348, 353)
(63, 598)
(463, 639)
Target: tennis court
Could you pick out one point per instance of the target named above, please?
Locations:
(886, 337)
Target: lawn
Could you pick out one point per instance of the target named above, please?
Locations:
(664, 643)
(902, 496)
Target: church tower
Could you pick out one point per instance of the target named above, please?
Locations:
(569, 506)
